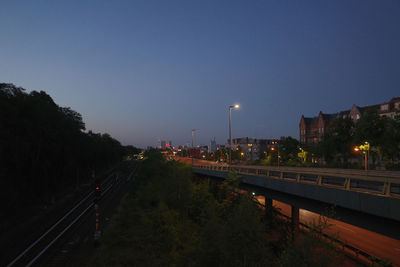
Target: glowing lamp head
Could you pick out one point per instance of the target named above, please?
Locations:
(236, 106)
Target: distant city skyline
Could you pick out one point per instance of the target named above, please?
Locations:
(145, 71)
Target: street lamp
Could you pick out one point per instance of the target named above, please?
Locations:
(236, 106)
(193, 130)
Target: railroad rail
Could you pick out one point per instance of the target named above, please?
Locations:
(38, 248)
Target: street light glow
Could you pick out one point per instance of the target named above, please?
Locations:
(236, 106)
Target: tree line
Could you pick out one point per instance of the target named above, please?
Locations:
(174, 218)
(44, 148)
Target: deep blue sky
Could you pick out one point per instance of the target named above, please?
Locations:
(149, 70)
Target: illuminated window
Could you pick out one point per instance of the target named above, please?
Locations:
(385, 107)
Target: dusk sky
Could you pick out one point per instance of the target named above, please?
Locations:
(148, 70)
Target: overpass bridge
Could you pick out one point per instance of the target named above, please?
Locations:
(367, 203)
(372, 192)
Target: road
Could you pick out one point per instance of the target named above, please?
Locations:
(198, 161)
(373, 243)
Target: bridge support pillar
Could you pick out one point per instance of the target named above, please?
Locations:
(295, 221)
(268, 206)
(387, 189)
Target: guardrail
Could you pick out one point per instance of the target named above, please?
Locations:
(385, 183)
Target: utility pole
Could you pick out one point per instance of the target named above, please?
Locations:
(230, 132)
(193, 130)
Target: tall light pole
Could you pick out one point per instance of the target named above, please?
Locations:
(230, 132)
(193, 130)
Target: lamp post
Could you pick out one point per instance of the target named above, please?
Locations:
(193, 130)
(230, 132)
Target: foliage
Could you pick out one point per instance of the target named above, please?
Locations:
(44, 149)
(169, 220)
(342, 135)
(389, 140)
(382, 133)
(233, 181)
(338, 139)
(289, 149)
(312, 248)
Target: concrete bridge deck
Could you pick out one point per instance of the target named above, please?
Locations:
(372, 192)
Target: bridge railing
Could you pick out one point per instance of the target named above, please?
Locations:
(386, 183)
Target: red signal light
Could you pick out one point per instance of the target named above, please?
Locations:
(97, 188)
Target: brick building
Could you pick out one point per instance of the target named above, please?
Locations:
(313, 128)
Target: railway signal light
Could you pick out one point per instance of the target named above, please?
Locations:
(97, 194)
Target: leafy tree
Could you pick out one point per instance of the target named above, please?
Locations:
(237, 153)
(44, 149)
(205, 228)
(289, 149)
(389, 143)
(337, 141)
(221, 153)
(369, 128)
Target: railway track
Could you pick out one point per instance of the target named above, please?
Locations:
(42, 250)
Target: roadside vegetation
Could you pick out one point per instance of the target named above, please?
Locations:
(45, 151)
(172, 218)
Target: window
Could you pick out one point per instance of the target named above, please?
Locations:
(358, 116)
(384, 107)
(397, 105)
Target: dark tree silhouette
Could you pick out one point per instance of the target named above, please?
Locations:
(44, 149)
